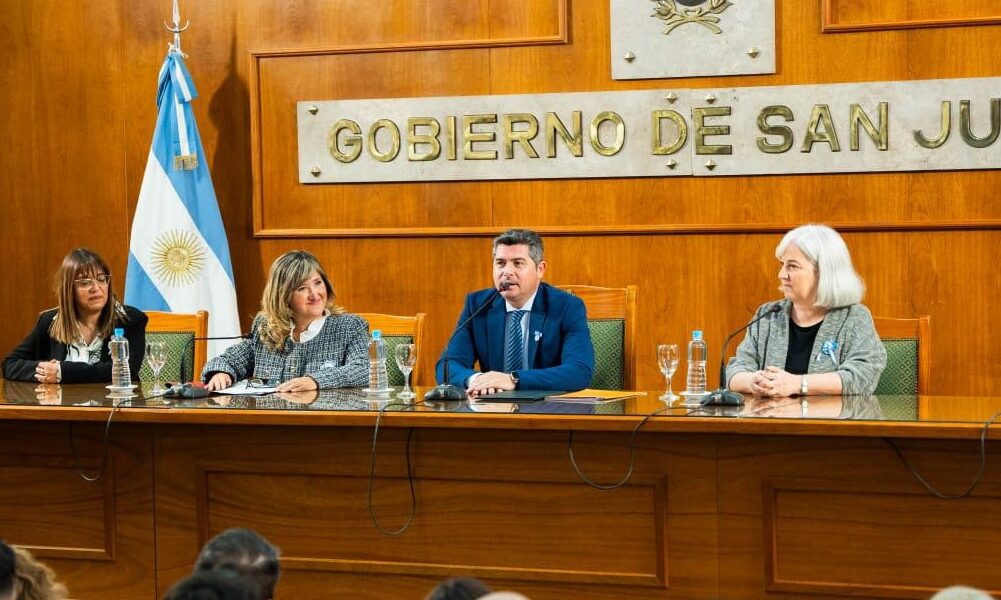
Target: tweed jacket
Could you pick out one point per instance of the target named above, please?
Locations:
(336, 357)
(859, 356)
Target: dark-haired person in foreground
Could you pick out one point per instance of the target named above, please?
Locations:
(532, 336)
(246, 554)
(7, 564)
(459, 588)
(211, 586)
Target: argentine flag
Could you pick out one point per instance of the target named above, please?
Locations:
(178, 253)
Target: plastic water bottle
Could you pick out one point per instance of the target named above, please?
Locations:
(378, 378)
(697, 350)
(121, 375)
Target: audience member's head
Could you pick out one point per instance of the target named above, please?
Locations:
(459, 588)
(960, 592)
(245, 553)
(35, 581)
(219, 585)
(7, 562)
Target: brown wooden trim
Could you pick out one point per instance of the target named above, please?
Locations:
(603, 230)
(562, 37)
(773, 583)
(427, 419)
(829, 24)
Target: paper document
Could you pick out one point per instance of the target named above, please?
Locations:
(242, 388)
(590, 395)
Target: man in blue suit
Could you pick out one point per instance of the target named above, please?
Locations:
(527, 334)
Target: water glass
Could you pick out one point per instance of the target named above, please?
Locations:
(667, 359)
(406, 358)
(156, 357)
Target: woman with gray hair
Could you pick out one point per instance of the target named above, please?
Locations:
(821, 338)
(301, 340)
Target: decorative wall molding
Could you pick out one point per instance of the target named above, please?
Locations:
(830, 23)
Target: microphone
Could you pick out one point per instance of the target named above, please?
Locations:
(445, 390)
(722, 396)
(191, 342)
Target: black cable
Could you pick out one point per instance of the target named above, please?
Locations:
(104, 447)
(410, 473)
(632, 456)
(973, 484)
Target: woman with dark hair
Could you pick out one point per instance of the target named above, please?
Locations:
(459, 588)
(301, 339)
(69, 343)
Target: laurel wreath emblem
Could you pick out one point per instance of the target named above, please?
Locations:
(706, 15)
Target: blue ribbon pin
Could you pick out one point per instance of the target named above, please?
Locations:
(829, 348)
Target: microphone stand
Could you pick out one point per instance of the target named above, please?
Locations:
(722, 396)
(445, 390)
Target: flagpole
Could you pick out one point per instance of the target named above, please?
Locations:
(177, 29)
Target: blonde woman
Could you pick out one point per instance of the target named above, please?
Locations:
(35, 581)
(300, 339)
(69, 343)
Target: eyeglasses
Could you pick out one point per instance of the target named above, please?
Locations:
(262, 382)
(88, 282)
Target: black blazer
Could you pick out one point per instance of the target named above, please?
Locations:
(39, 347)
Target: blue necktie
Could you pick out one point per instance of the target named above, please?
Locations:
(515, 342)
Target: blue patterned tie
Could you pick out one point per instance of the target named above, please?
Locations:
(515, 342)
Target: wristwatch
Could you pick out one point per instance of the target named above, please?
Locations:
(804, 386)
(515, 379)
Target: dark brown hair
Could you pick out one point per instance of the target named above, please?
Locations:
(81, 263)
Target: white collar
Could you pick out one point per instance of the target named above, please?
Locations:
(527, 307)
(313, 329)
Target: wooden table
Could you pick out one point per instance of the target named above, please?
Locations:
(784, 501)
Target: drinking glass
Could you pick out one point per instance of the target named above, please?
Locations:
(406, 358)
(667, 358)
(156, 357)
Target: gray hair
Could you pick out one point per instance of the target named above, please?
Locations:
(517, 237)
(837, 282)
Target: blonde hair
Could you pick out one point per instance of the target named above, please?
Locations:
(288, 272)
(81, 263)
(36, 581)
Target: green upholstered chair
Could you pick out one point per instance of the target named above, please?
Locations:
(398, 330)
(185, 354)
(908, 355)
(611, 318)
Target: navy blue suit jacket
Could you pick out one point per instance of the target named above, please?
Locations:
(560, 353)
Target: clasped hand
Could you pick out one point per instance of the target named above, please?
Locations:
(490, 382)
(774, 382)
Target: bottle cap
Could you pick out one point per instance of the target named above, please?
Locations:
(119, 332)
(376, 334)
(697, 334)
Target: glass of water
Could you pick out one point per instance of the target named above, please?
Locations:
(156, 357)
(667, 359)
(406, 358)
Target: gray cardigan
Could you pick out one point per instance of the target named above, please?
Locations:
(336, 357)
(859, 357)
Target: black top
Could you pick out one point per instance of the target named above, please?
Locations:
(39, 346)
(800, 347)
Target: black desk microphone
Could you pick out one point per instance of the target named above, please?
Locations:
(722, 396)
(445, 390)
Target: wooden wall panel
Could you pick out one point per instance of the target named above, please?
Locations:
(97, 536)
(859, 15)
(80, 106)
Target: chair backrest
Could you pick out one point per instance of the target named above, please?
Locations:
(611, 317)
(908, 355)
(398, 330)
(185, 354)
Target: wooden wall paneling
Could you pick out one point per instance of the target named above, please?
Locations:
(63, 127)
(488, 505)
(851, 15)
(859, 493)
(97, 536)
